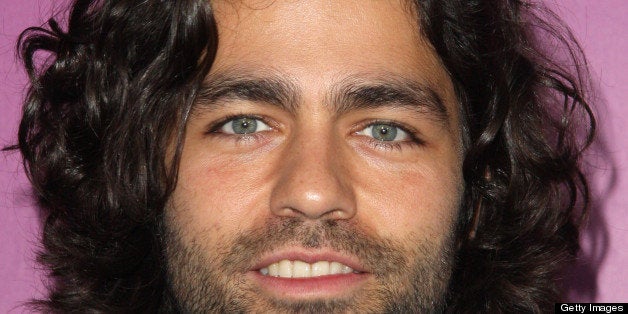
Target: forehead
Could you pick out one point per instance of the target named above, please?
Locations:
(318, 42)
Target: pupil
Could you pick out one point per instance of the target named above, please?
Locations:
(244, 126)
(384, 132)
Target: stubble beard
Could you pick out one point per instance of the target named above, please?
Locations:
(409, 278)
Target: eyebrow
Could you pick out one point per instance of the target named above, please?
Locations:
(268, 89)
(357, 93)
(350, 94)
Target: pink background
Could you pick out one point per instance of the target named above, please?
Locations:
(601, 274)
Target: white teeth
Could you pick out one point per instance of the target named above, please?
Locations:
(320, 269)
(285, 269)
(335, 268)
(346, 269)
(300, 269)
(273, 269)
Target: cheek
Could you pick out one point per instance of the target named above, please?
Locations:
(218, 197)
(420, 201)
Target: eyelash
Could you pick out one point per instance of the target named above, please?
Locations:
(413, 140)
(216, 126)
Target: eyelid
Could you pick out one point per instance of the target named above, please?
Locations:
(219, 124)
(229, 127)
(412, 133)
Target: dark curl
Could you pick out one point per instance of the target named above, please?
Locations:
(527, 124)
(115, 88)
(95, 126)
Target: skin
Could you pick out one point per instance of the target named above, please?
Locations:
(314, 161)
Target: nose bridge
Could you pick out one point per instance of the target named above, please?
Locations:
(313, 181)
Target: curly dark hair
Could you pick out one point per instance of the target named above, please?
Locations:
(113, 89)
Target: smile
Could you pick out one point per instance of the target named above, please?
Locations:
(296, 273)
(300, 269)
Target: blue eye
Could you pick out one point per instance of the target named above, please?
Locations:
(244, 125)
(385, 132)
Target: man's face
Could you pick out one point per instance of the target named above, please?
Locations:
(321, 169)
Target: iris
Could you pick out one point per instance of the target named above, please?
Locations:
(244, 125)
(384, 132)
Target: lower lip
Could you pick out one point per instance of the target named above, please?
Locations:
(331, 286)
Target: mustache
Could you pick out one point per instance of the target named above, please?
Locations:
(379, 255)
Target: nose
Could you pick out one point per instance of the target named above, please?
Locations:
(314, 182)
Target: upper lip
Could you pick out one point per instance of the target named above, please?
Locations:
(309, 256)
